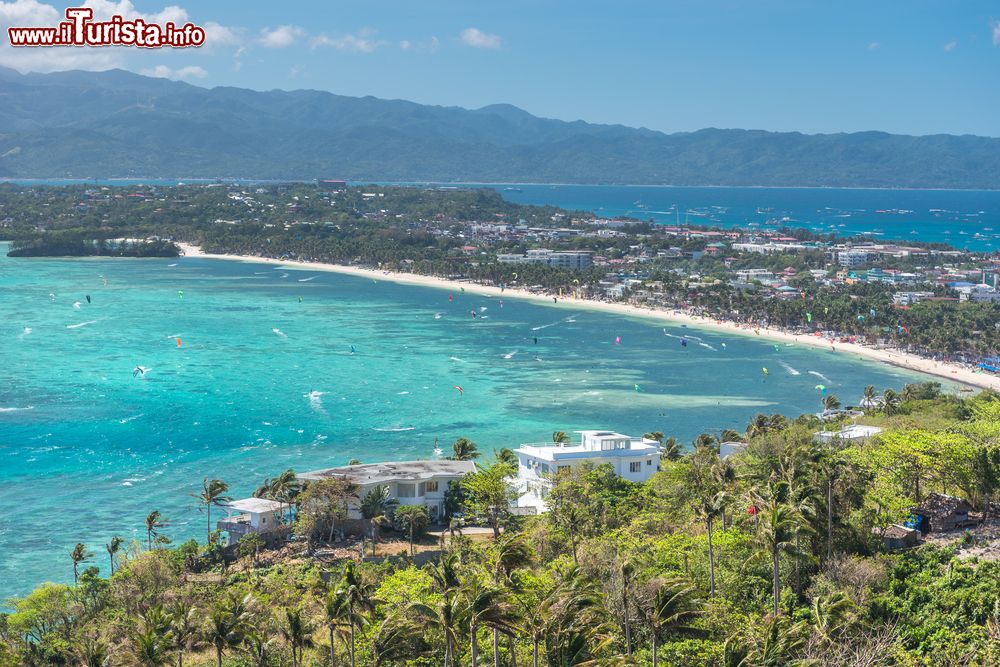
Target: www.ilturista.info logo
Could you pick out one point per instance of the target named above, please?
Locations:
(79, 29)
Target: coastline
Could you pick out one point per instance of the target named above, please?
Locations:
(945, 370)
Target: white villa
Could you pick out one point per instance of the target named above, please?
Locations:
(853, 433)
(409, 482)
(634, 459)
(252, 515)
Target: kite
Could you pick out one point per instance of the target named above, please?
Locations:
(637, 388)
(178, 341)
(764, 370)
(809, 317)
(723, 345)
(821, 387)
(353, 350)
(618, 340)
(88, 298)
(180, 294)
(450, 298)
(515, 276)
(460, 390)
(777, 347)
(684, 342)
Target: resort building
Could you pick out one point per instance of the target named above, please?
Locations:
(634, 459)
(854, 433)
(409, 482)
(253, 515)
(568, 259)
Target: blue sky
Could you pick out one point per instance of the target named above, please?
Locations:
(911, 67)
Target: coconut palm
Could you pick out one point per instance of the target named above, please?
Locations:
(226, 624)
(212, 493)
(485, 606)
(560, 437)
(349, 603)
(257, 645)
(445, 614)
(154, 522)
(92, 652)
(413, 519)
(297, 630)
(831, 402)
(377, 506)
(778, 528)
(152, 643)
(670, 449)
(113, 547)
(185, 627)
(506, 456)
(669, 606)
(890, 402)
(868, 398)
(78, 555)
(464, 450)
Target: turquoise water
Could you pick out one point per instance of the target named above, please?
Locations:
(963, 218)
(263, 382)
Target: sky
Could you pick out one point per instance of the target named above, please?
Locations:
(913, 67)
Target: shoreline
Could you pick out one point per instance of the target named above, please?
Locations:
(946, 370)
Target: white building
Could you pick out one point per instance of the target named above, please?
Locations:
(854, 433)
(853, 257)
(634, 459)
(409, 482)
(979, 294)
(253, 515)
(910, 298)
(727, 449)
(566, 259)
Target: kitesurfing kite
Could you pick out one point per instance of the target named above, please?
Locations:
(821, 387)
(178, 341)
(88, 298)
(618, 340)
(139, 370)
(764, 371)
(460, 390)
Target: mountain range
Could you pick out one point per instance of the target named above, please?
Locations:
(119, 124)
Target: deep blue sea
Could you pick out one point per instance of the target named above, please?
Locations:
(966, 219)
(265, 379)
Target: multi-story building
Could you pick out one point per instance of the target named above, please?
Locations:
(566, 259)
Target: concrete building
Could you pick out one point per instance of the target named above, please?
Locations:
(254, 515)
(854, 257)
(566, 259)
(853, 433)
(634, 459)
(409, 482)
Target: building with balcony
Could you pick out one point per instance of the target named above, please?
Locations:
(634, 459)
(254, 515)
(409, 482)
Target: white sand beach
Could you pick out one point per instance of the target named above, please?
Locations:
(950, 371)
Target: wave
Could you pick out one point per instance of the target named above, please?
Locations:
(26, 332)
(76, 305)
(510, 355)
(571, 318)
(437, 316)
(305, 280)
(81, 324)
(462, 361)
(279, 333)
(393, 429)
(820, 376)
(170, 265)
(30, 407)
(791, 371)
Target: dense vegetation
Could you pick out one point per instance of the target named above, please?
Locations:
(184, 131)
(769, 557)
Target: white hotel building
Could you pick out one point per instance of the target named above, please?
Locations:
(634, 459)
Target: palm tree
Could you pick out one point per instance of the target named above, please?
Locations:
(485, 605)
(212, 494)
(445, 614)
(78, 555)
(152, 642)
(671, 449)
(670, 607)
(348, 604)
(185, 626)
(257, 644)
(154, 522)
(730, 435)
(705, 440)
(654, 435)
(414, 520)
(297, 631)
(777, 531)
(464, 450)
(868, 398)
(284, 488)
(831, 402)
(92, 652)
(890, 402)
(377, 506)
(506, 456)
(113, 547)
(560, 437)
(226, 624)
(509, 553)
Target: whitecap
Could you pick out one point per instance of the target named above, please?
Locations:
(393, 429)
(81, 324)
(791, 371)
(305, 280)
(820, 376)
(76, 305)
(171, 265)
(510, 355)
(30, 407)
(26, 332)
(402, 393)
(457, 359)
(279, 333)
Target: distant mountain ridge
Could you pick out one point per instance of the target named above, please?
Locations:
(119, 124)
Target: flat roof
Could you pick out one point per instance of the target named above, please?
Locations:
(393, 471)
(554, 453)
(254, 505)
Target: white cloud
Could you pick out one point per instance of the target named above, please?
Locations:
(220, 35)
(27, 13)
(950, 46)
(405, 45)
(477, 38)
(281, 37)
(874, 45)
(434, 45)
(363, 42)
(164, 72)
(996, 33)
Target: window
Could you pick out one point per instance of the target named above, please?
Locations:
(432, 487)
(635, 466)
(649, 462)
(405, 490)
(421, 489)
(545, 467)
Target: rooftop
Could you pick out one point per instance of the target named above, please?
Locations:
(254, 505)
(395, 471)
